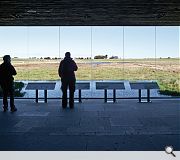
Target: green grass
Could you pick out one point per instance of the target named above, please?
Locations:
(165, 71)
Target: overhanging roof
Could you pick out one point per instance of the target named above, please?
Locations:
(89, 12)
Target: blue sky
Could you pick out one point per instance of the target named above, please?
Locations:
(85, 41)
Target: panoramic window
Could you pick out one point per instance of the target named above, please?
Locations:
(102, 53)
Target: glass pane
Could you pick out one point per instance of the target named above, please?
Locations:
(14, 42)
(107, 53)
(107, 57)
(167, 68)
(139, 56)
(77, 41)
(43, 53)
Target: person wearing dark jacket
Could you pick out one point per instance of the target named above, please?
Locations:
(7, 82)
(66, 73)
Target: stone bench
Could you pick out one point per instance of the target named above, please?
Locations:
(82, 86)
(40, 86)
(144, 85)
(110, 86)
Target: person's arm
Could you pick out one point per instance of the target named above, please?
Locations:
(0, 75)
(60, 69)
(75, 67)
(13, 71)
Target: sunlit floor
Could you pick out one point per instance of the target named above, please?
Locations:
(91, 125)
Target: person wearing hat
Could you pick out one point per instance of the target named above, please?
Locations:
(7, 71)
(66, 73)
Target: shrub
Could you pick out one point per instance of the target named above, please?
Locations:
(18, 86)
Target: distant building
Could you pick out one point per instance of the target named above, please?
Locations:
(47, 58)
(113, 57)
(101, 57)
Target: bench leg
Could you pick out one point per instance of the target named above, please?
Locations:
(148, 95)
(114, 95)
(45, 96)
(105, 95)
(36, 96)
(139, 95)
(80, 100)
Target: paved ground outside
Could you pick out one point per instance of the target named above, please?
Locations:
(92, 126)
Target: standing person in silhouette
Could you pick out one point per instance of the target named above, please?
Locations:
(68, 79)
(7, 82)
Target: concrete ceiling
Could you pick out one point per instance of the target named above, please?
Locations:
(89, 12)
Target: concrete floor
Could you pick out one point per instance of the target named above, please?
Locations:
(92, 125)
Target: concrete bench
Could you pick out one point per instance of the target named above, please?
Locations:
(41, 86)
(110, 86)
(82, 86)
(144, 85)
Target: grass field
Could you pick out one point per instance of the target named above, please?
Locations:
(165, 71)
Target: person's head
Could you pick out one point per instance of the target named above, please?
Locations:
(7, 59)
(67, 54)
